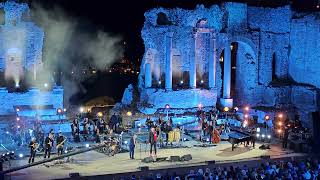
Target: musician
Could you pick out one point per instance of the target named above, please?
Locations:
(33, 147)
(132, 145)
(97, 135)
(85, 128)
(75, 126)
(153, 140)
(149, 122)
(52, 132)
(253, 136)
(285, 138)
(48, 145)
(167, 129)
(113, 122)
(60, 143)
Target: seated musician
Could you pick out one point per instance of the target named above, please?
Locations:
(33, 147)
(60, 143)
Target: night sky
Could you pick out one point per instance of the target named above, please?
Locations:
(126, 17)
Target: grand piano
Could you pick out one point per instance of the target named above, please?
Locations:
(237, 136)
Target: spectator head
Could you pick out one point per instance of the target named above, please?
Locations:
(200, 172)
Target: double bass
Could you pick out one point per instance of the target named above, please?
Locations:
(216, 136)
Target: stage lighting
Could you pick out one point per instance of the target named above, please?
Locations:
(200, 106)
(263, 135)
(45, 85)
(17, 85)
(125, 142)
(246, 108)
(167, 106)
(208, 139)
(87, 145)
(59, 110)
(17, 109)
(258, 129)
(18, 119)
(245, 123)
(267, 117)
(280, 123)
(226, 109)
(181, 82)
(246, 116)
(7, 132)
(18, 127)
(279, 130)
(201, 81)
(81, 109)
(159, 82)
(280, 115)
(258, 135)
(269, 136)
(129, 113)
(65, 110)
(66, 151)
(236, 109)
(99, 114)
(20, 155)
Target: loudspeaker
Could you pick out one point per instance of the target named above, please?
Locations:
(73, 175)
(265, 157)
(211, 162)
(174, 158)
(144, 168)
(160, 159)
(186, 157)
(264, 146)
(148, 160)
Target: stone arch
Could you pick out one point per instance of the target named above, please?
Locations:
(162, 19)
(202, 23)
(244, 70)
(14, 64)
(273, 67)
(152, 57)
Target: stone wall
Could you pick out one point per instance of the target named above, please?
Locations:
(265, 36)
(20, 34)
(33, 97)
(304, 53)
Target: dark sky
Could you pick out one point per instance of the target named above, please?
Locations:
(126, 17)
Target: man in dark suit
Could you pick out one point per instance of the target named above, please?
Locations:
(153, 140)
(48, 144)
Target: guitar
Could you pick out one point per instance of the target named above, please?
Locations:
(35, 146)
(61, 144)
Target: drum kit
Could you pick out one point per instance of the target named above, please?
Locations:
(112, 146)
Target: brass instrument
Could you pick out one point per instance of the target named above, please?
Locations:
(61, 144)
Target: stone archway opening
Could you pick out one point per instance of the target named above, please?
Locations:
(243, 71)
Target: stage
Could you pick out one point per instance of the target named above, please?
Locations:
(95, 163)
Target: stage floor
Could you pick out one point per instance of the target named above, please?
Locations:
(94, 163)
